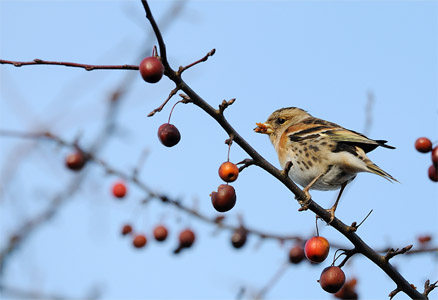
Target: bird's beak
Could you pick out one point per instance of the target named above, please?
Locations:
(263, 128)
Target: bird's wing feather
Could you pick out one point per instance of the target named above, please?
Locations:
(349, 136)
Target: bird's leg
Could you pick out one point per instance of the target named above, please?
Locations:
(333, 209)
(305, 202)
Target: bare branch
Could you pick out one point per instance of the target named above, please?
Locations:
(264, 164)
(182, 69)
(246, 163)
(286, 169)
(275, 278)
(225, 104)
(348, 254)
(87, 67)
(394, 292)
(429, 287)
(391, 252)
(160, 108)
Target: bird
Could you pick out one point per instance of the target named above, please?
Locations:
(319, 154)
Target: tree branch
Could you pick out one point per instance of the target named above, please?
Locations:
(264, 164)
(68, 64)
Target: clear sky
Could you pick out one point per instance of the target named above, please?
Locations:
(322, 56)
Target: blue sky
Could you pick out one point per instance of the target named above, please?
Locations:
(324, 57)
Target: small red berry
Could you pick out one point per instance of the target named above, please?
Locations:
(139, 241)
(169, 135)
(186, 238)
(127, 229)
(433, 173)
(435, 156)
(224, 199)
(424, 239)
(348, 290)
(160, 233)
(119, 189)
(228, 171)
(423, 145)
(332, 279)
(317, 249)
(151, 69)
(296, 254)
(75, 161)
(238, 239)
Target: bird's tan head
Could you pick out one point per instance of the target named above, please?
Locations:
(281, 119)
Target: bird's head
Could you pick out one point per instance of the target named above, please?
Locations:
(280, 120)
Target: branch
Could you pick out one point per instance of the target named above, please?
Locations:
(429, 287)
(28, 227)
(68, 64)
(275, 278)
(264, 164)
(158, 109)
(348, 254)
(182, 69)
(151, 194)
(391, 252)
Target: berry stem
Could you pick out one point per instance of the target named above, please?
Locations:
(316, 225)
(229, 148)
(168, 121)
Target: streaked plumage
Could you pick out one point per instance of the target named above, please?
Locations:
(318, 148)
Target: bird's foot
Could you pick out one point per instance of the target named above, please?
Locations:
(332, 214)
(306, 201)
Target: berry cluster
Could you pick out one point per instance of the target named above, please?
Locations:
(424, 145)
(152, 70)
(316, 250)
(139, 240)
(225, 198)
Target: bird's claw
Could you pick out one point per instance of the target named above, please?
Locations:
(332, 215)
(305, 202)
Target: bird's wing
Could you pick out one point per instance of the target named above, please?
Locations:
(352, 137)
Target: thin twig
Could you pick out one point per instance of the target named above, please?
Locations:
(391, 253)
(246, 163)
(225, 104)
(275, 278)
(429, 287)
(158, 109)
(87, 67)
(182, 69)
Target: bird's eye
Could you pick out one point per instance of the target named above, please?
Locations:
(281, 120)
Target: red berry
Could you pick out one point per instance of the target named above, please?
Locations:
(169, 135)
(238, 239)
(296, 254)
(151, 69)
(160, 233)
(75, 161)
(127, 229)
(317, 249)
(228, 171)
(332, 279)
(433, 173)
(423, 145)
(435, 156)
(224, 199)
(348, 290)
(139, 241)
(119, 189)
(424, 239)
(186, 238)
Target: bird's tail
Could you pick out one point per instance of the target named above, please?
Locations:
(373, 168)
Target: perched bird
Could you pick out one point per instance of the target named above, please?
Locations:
(323, 155)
